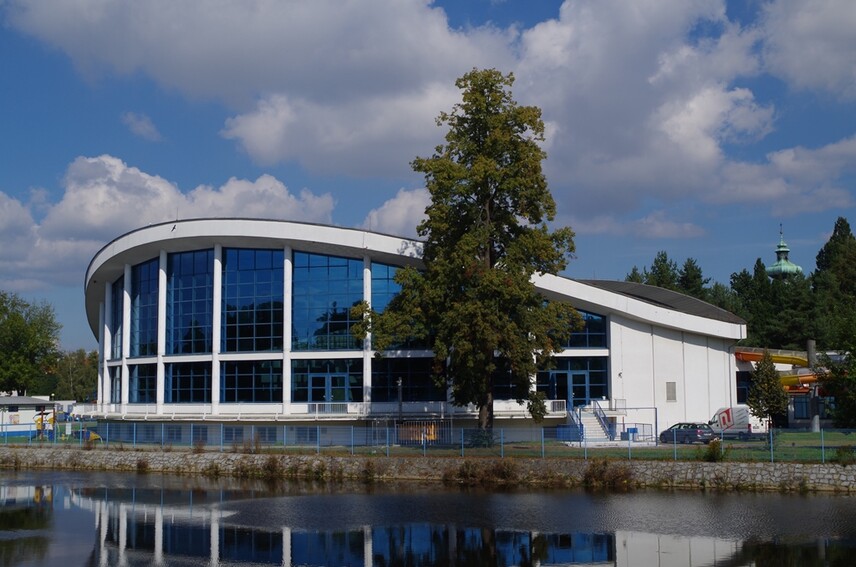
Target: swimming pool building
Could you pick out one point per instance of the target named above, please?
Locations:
(228, 320)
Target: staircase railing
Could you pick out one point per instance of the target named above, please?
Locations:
(601, 418)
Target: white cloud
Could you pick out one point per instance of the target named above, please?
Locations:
(812, 44)
(360, 137)
(643, 101)
(793, 181)
(16, 230)
(658, 225)
(340, 86)
(104, 198)
(400, 215)
(142, 126)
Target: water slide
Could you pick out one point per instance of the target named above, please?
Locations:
(797, 377)
(779, 357)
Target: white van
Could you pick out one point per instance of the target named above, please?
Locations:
(737, 421)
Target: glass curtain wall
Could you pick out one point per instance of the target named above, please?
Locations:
(417, 384)
(251, 382)
(189, 302)
(252, 306)
(143, 386)
(117, 296)
(324, 290)
(320, 381)
(187, 382)
(593, 333)
(144, 308)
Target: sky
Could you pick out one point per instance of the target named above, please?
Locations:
(695, 127)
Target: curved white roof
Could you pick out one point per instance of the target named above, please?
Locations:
(195, 234)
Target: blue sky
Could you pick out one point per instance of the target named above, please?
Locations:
(694, 127)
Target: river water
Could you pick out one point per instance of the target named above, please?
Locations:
(107, 519)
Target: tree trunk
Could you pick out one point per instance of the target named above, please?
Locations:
(486, 413)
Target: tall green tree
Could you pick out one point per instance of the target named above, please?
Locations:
(29, 335)
(664, 272)
(839, 381)
(767, 397)
(691, 280)
(834, 287)
(485, 235)
(75, 376)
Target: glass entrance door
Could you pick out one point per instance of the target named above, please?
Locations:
(330, 388)
(579, 385)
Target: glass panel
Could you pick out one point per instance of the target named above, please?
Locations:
(338, 389)
(324, 290)
(189, 308)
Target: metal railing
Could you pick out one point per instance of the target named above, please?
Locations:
(601, 418)
(437, 437)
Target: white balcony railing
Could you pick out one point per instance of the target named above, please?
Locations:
(312, 410)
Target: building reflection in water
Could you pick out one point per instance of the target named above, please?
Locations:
(160, 526)
(142, 527)
(25, 515)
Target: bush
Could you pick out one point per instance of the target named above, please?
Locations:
(272, 468)
(844, 455)
(603, 474)
(714, 453)
(142, 466)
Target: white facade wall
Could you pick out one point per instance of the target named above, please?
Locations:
(645, 357)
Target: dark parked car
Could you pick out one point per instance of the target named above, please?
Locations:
(688, 432)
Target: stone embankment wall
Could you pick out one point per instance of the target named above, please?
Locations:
(516, 471)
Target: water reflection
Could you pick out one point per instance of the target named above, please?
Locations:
(163, 521)
(25, 515)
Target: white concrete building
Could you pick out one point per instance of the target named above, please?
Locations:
(244, 320)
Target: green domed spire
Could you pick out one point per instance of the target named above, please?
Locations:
(783, 268)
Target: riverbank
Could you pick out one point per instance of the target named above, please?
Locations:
(553, 472)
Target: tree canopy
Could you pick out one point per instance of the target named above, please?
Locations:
(767, 397)
(485, 235)
(29, 335)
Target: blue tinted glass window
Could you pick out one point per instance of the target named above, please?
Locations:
(417, 382)
(324, 290)
(189, 302)
(578, 379)
(330, 381)
(187, 382)
(384, 287)
(143, 385)
(252, 381)
(117, 297)
(593, 333)
(144, 308)
(252, 306)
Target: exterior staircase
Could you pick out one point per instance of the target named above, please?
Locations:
(594, 432)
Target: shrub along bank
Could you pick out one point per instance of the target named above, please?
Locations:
(612, 474)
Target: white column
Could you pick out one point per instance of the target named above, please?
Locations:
(214, 554)
(158, 552)
(367, 354)
(162, 283)
(123, 533)
(368, 547)
(104, 523)
(107, 332)
(126, 335)
(216, 318)
(102, 360)
(287, 289)
(286, 547)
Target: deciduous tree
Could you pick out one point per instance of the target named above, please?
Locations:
(29, 336)
(485, 235)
